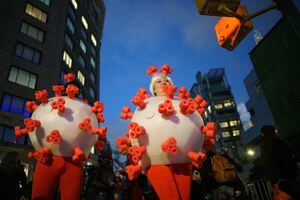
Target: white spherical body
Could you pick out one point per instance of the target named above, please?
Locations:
(184, 128)
(67, 124)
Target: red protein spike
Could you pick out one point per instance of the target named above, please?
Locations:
(69, 77)
(101, 132)
(140, 130)
(85, 125)
(58, 89)
(126, 114)
(48, 138)
(55, 136)
(169, 146)
(100, 117)
(99, 145)
(43, 155)
(166, 69)
(143, 92)
(132, 125)
(133, 171)
(31, 106)
(138, 101)
(210, 129)
(151, 70)
(41, 96)
(123, 143)
(78, 156)
(71, 91)
(19, 132)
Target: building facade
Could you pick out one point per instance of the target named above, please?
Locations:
(258, 108)
(41, 40)
(214, 88)
(276, 62)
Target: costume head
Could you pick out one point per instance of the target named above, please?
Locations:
(165, 70)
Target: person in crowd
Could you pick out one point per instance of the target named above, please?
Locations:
(12, 177)
(279, 160)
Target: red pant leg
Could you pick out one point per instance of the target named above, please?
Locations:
(46, 178)
(71, 180)
(183, 177)
(163, 182)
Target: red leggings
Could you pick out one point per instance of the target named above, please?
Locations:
(171, 182)
(62, 171)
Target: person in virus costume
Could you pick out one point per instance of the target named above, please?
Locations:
(166, 135)
(62, 130)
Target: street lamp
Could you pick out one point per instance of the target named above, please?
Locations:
(250, 152)
(235, 22)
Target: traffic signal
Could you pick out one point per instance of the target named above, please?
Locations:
(217, 7)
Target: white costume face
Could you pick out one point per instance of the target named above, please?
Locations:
(158, 86)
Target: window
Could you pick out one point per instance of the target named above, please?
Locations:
(225, 134)
(72, 13)
(84, 22)
(22, 77)
(69, 41)
(7, 134)
(83, 33)
(32, 31)
(80, 77)
(28, 53)
(67, 59)
(233, 123)
(36, 13)
(218, 106)
(92, 92)
(93, 63)
(92, 77)
(236, 132)
(82, 46)
(223, 124)
(74, 3)
(46, 2)
(227, 104)
(93, 40)
(81, 61)
(70, 25)
(93, 51)
(14, 104)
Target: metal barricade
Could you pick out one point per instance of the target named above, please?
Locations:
(259, 190)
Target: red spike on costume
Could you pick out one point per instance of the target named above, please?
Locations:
(99, 145)
(43, 155)
(143, 92)
(54, 137)
(58, 89)
(101, 132)
(210, 129)
(151, 70)
(85, 125)
(78, 156)
(166, 69)
(19, 132)
(41, 96)
(123, 144)
(133, 171)
(126, 114)
(183, 94)
(169, 146)
(31, 106)
(69, 77)
(166, 108)
(100, 117)
(71, 91)
(138, 101)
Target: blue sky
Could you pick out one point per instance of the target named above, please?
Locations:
(140, 33)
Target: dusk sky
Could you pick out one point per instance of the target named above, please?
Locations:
(140, 33)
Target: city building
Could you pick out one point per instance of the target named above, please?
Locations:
(215, 89)
(41, 40)
(276, 62)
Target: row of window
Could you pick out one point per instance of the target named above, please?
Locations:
(231, 123)
(36, 13)
(22, 77)
(225, 104)
(14, 104)
(234, 133)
